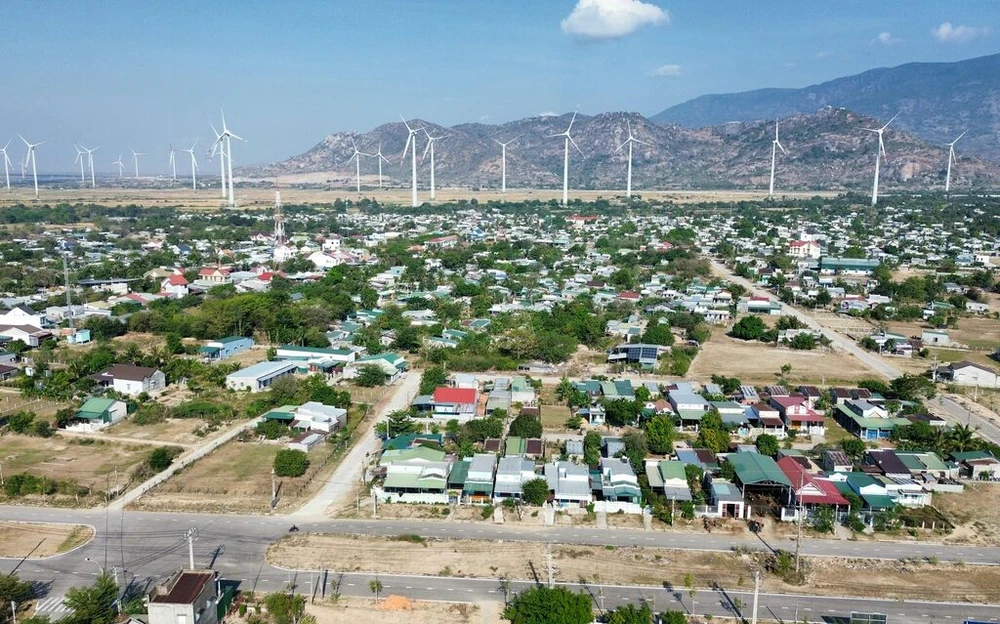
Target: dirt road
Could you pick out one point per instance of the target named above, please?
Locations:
(347, 476)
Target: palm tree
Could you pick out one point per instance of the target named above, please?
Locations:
(376, 586)
(961, 438)
(564, 389)
(132, 353)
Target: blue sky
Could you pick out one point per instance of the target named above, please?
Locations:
(143, 74)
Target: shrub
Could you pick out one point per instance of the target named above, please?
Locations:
(535, 491)
(290, 463)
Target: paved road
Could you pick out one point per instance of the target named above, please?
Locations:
(148, 547)
(348, 474)
(949, 408)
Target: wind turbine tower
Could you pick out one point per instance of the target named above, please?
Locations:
(229, 135)
(194, 165)
(121, 165)
(79, 159)
(951, 159)
(279, 221)
(411, 139)
(30, 158)
(173, 163)
(569, 139)
(503, 163)
(879, 154)
(629, 141)
(90, 162)
(379, 157)
(430, 146)
(216, 148)
(6, 163)
(356, 157)
(775, 146)
(135, 157)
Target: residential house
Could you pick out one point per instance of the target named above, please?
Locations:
(798, 416)
(970, 374)
(764, 418)
(887, 463)
(310, 416)
(28, 334)
(455, 403)
(189, 597)
(98, 412)
(393, 366)
(175, 286)
(936, 337)
(260, 376)
(569, 483)
(131, 380)
(479, 479)
(617, 481)
(979, 465)
(217, 350)
(215, 276)
(22, 315)
(804, 249)
(866, 420)
(644, 355)
(809, 492)
(512, 473)
(724, 500)
(836, 461)
(670, 477)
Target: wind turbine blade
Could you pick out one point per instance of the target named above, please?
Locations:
(237, 137)
(427, 149)
(780, 146)
(405, 124)
(619, 148)
(890, 121)
(574, 144)
(407, 146)
(571, 122)
(952, 143)
(24, 139)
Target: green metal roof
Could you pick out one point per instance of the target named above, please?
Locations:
(417, 452)
(94, 408)
(408, 481)
(670, 469)
(459, 472)
(757, 469)
(877, 501)
(209, 350)
(515, 446)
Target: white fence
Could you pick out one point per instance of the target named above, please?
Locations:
(615, 507)
(424, 498)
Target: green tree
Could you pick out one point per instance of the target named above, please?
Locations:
(544, 605)
(630, 614)
(592, 448)
(396, 424)
(432, 378)
(370, 376)
(526, 426)
(636, 449)
(94, 604)
(767, 444)
(660, 433)
(853, 448)
(290, 463)
(285, 608)
(912, 388)
(13, 591)
(658, 334)
(375, 586)
(535, 491)
(160, 459)
(749, 328)
(21, 422)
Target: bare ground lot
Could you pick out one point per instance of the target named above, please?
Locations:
(757, 362)
(399, 610)
(975, 331)
(172, 431)
(88, 463)
(37, 539)
(639, 566)
(974, 513)
(236, 478)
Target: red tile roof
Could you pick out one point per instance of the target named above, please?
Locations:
(455, 395)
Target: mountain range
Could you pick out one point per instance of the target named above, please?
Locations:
(826, 148)
(936, 102)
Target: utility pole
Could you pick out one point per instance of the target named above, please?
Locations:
(192, 535)
(13, 611)
(274, 489)
(69, 298)
(756, 591)
(548, 564)
(798, 518)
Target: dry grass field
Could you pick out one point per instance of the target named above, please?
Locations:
(974, 513)
(236, 478)
(627, 565)
(756, 362)
(38, 539)
(263, 198)
(975, 332)
(170, 431)
(88, 463)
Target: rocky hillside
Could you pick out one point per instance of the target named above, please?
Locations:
(936, 102)
(828, 149)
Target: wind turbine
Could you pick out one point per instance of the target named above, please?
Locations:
(194, 165)
(629, 141)
(951, 158)
(413, 157)
(173, 163)
(90, 161)
(430, 146)
(775, 146)
(222, 158)
(6, 163)
(356, 157)
(135, 157)
(79, 159)
(30, 157)
(379, 157)
(228, 136)
(503, 163)
(879, 154)
(121, 166)
(569, 139)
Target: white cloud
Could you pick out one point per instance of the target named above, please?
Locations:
(788, 65)
(548, 114)
(822, 54)
(885, 38)
(665, 70)
(609, 19)
(947, 33)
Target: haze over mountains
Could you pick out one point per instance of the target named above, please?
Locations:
(716, 141)
(936, 102)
